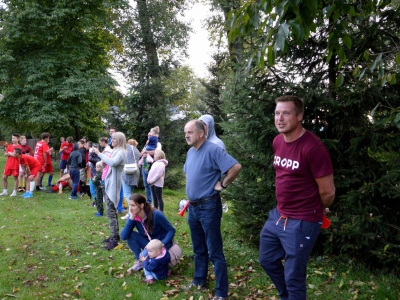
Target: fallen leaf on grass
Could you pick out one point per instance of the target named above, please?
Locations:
(10, 295)
(84, 268)
(128, 295)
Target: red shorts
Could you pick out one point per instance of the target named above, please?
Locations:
(11, 172)
(35, 171)
(47, 168)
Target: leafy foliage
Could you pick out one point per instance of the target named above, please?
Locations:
(356, 121)
(54, 63)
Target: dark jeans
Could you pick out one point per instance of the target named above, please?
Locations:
(158, 201)
(74, 174)
(293, 242)
(205, 229)
(145, 174)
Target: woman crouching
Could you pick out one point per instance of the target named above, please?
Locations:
(150, 223)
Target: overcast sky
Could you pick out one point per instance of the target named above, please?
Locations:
(199, 46)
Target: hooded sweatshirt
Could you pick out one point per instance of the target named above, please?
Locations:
(211, 136)
(157, 173)
(75, 159)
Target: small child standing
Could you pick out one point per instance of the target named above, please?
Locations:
(155, 259)
(96, 179)
(156, 178)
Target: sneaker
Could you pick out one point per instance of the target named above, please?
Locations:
(24, 194)
(42, 188)
(73, 198)
(3, 194)
(219, 298)
(98, 214)
(125, 217)
(149, 281)
(194, 286)
(14, 194)
(110, 245)
(29, 195)
(137, 266)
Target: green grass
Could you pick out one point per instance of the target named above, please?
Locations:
(50, 248)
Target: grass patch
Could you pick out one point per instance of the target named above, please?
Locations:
(51, 248)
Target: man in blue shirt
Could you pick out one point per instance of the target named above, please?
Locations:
(205, 163)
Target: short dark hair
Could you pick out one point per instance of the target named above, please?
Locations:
(16, 134)
(297, 101)
(18, 151)
(45, 135)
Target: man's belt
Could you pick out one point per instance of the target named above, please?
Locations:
(201, 201)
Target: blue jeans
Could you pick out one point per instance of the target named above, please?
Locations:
(92, 190)
(136, 243)
(291, 240)
(205, 229)
(150, 274)
(121, 196)
(128, 190)
(74, 174)
(147, 187)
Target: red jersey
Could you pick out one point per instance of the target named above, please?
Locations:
(30, 161)
(40, 150)
(12, 163)
(66, 152)
(297, 164)
(26, 150)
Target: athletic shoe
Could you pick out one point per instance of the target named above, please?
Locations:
(149, 281)
(194, 286)
(98, 214)
(137, 266)
(30, 195)
(125, 217)
(106, 240)
(42, 188)
(24, 194)
(14, 194)
(73, 198)
(110, 245)
(3, 194)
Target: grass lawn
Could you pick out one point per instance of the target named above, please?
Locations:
(51, 248)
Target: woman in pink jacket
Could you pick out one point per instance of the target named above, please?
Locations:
(156, 178)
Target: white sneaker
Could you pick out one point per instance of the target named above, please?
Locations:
(3, 194)
(14, 194)
(125, 217)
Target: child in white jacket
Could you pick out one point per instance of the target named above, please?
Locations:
(156, 178)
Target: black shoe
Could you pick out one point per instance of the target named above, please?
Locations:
(106, 240)
(110, 245)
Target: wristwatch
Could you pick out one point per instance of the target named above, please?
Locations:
(224, 187)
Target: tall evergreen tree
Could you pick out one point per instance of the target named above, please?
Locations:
(349, 113)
